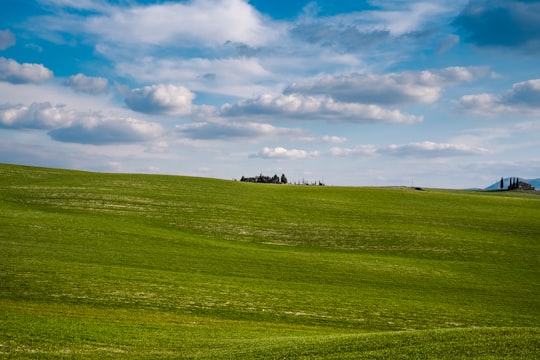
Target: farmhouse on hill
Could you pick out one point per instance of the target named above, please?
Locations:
(524, 186)
(517, 184)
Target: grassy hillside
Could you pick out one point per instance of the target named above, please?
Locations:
(138, 266)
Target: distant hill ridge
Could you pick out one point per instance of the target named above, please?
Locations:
(496, 185)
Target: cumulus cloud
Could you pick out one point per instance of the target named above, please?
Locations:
(88, 84)
(315, 107)
(522, 97)
(524, 94)
(35, 116)
(388, 89)
(481, 21)
(13, 72)
(356, 97)
(481, 104)
(78, 127)
(161, 99)
(7, 39)
(97, 129)
(179, 24)
(232, 130)
(284, 154)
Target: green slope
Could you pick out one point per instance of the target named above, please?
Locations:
(127, 266)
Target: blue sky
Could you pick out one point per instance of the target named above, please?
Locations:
(432, 93)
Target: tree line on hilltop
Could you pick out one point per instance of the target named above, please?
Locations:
(277, 180)
(266, 179)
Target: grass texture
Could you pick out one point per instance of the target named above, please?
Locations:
(120, 266)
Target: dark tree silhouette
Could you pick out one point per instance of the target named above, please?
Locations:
(265, 179)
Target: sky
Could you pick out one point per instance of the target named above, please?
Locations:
(437, 93)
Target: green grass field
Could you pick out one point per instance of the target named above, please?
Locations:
(99, 266)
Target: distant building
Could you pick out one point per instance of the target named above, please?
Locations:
(521, 185)
(515, 183)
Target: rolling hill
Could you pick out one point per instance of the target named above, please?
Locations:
(124, 266)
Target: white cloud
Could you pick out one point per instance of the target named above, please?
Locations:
(523, 94)
(424, 149)
(179, 24)
(431, 149)
(13, 72)
(220, 129)
(393, 88)
(456, 74)
(88, 84)
(284, 154)
(161, 99)
(56, 93)
(523, 97)
(7, 39)
(98, 129)
(359, 150)
(315, 107)
(78, 127)
(35, 116)
(395, 18)
(484, 104)
(334, 139)
(325, 139)
(401, 17)
(231, 76)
